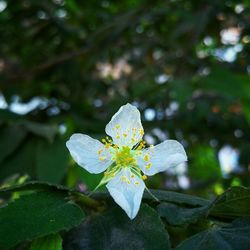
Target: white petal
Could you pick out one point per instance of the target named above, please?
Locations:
(125, 127)
(167, 154)
(84, 151)
(127, 190)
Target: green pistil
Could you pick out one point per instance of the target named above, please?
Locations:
(124, 158)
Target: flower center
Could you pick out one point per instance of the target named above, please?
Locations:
(124, 157)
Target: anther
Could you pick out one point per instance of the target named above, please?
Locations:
(124, 178)
(102, 158)
(146, 157)
(149, 166)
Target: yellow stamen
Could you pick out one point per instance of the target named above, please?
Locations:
(144, 177)
(102, 158)
(146, 157)
(124, 178)
(149, 166)
(141, 132)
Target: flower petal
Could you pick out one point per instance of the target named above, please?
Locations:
(127, 189)
(158, 158)
(89, 153)
(125, 127)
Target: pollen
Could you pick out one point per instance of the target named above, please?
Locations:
(141, 132)
(144, 177)
(125, 134)
(146, 158)
(102, 158)
(148, 166)
(136, 183)
(132, 176)
(124, 178)
(99, 151)
(117, 126)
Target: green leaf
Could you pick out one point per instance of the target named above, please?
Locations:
(8, 116)
(10, 137)
(52, 161)
(233, 236)
(37, 214)
(204, 156)
(223, 81)
(168, 196)
(233, 203)
(113, 230)
(23, 162)
(176, 215)
(48, 187)
(246, 109)
(43, 130)
(33, 186)
(50, 242)
(177, 198)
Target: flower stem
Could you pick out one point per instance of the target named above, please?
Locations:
(85, 200)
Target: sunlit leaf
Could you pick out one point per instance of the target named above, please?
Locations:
(50, 242)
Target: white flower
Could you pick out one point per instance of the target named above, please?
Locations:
(125, 159)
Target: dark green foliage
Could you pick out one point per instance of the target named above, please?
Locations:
(167, 56)
(177, 215)
(52, 161)
(53, 208)
(234, 203)
(37, 214)
(178, 198)
(233, 236)
(114, 230)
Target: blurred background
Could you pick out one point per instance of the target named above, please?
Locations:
(67, 66)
